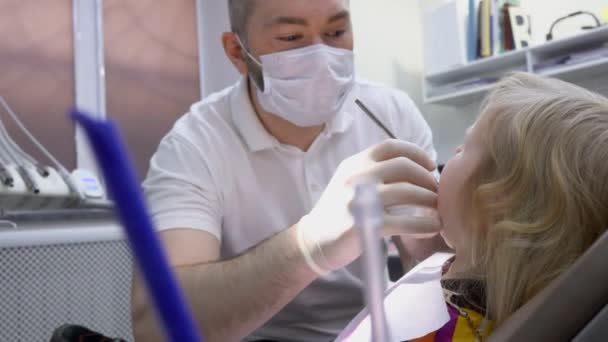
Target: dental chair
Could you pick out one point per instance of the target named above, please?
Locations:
(574, 307)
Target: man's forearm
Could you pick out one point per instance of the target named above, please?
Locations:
(231, 299)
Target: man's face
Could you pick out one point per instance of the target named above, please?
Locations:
(280, 25)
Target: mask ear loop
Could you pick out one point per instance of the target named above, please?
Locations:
(250, 56)
(238, 39)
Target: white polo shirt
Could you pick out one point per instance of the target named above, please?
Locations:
(218, 170)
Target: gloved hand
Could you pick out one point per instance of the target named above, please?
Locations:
(327, 234)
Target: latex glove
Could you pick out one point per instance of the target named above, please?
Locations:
(403, 171)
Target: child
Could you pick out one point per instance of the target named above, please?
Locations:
(522, 199)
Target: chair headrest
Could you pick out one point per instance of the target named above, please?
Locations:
(564, 307)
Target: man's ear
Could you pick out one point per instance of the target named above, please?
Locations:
(234, 52)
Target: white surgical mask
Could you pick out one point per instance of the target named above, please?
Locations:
(306, 86)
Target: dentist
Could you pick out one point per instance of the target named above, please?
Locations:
(250, 189)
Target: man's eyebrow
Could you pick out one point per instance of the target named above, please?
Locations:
(284, 20)
(339, 16)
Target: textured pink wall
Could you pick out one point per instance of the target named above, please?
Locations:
(37, 73)
(152, 73)
(151, 70)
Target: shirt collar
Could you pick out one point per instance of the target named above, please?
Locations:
(254, 133)
(341, 122)
(247, 121)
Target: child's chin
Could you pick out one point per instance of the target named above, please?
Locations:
(446, 239)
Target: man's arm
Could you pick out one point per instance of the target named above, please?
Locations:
(229, 299)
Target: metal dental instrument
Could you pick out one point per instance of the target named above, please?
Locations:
(368, 212)
(374, 118)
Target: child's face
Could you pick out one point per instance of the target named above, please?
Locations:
(455, 190)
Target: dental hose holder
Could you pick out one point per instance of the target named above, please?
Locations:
(368, 213)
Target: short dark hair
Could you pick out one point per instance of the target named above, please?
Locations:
(240, 11)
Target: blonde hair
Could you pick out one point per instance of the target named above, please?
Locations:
(540, 196)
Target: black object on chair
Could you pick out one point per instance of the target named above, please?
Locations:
(77, 333)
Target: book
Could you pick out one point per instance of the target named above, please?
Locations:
(485, 28)
(495, 31)
(479, 31)
(502, 34)
(472, 32)
(520, 24)
(507, 40)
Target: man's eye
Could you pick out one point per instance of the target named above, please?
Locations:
(290, 38)
(336, 34)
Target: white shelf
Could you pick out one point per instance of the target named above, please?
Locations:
(578, 42)
(437, 85)
(480, 66)
(578, 71)
(460, 97)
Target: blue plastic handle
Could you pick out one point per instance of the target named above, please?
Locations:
(133, 213)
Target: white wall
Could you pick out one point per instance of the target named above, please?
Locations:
(544, 12)
(389, 50)
(217, 72)
(387, 43)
